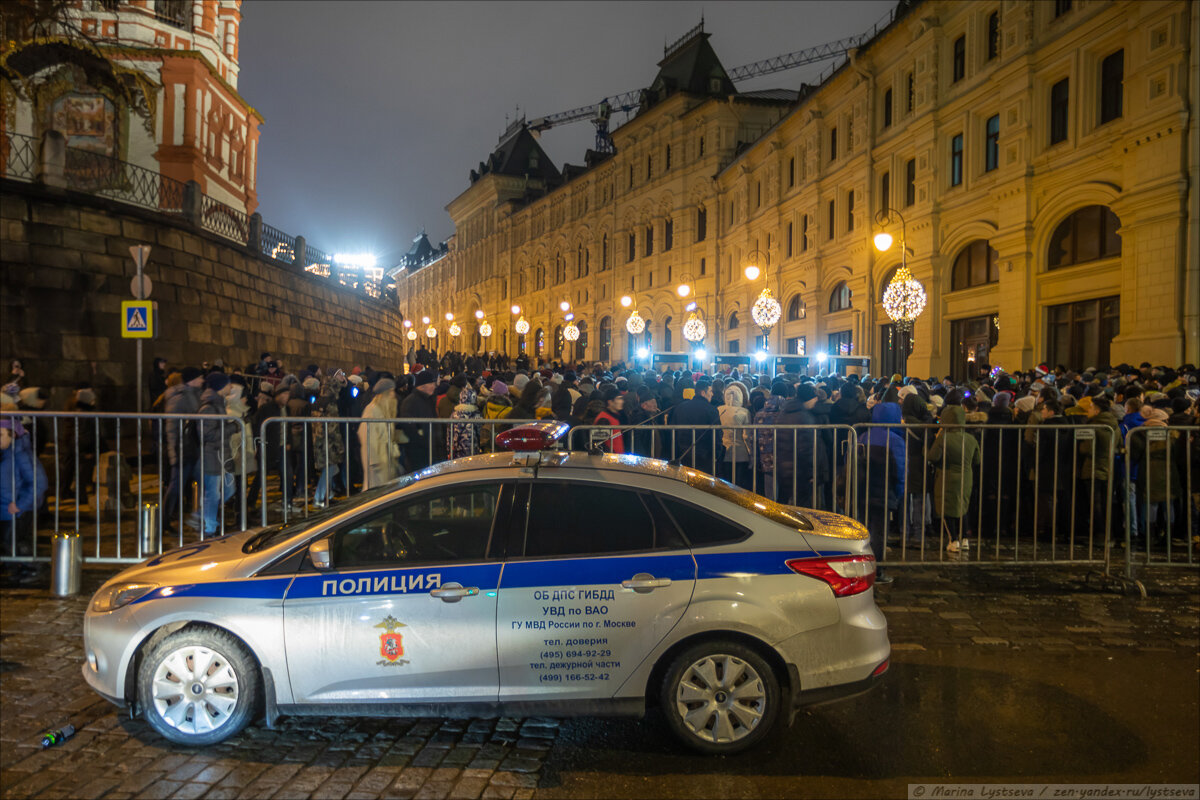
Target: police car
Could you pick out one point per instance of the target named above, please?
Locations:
(534, 581)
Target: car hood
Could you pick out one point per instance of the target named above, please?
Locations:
(211, 559)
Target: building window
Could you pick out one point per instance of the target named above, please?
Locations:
(911, 94)
(604, 252)
(1112, 78)
(792, 171)
(760, 343)
(796, 309)
(789, 240)
(1089, 234)
(632, 246)
(649, 167)
(649, 240)
(703, 266)
(701, 224)
(849, 211)
(841, 298)
(804, 233)
(887, 109)
(701, 146)
(832, 143)
(1061, 7)
(960, 59)
(977, 264)
(668, 235)
(758, 195)
(631, 176)
(841, 343)
(667, 159)
(910, 182)
(733, 346)
(832, 218)
(1060, 97)
(993, 35)
(885, 191)
(956, 160)
(1080, 334)
(991, 147)
(797, 346)
(733, 321)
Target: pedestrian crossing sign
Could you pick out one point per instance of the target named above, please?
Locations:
(137, 319)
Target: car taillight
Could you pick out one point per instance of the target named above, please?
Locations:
(846, 575)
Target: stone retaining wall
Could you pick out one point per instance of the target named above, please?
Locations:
(65, 268)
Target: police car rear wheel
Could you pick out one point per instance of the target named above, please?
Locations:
(198, 686)
(720, 697)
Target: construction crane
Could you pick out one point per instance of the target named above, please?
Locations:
(599, 113)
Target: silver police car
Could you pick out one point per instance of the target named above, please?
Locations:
(515, 583)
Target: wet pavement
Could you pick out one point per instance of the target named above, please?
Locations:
(999, 674)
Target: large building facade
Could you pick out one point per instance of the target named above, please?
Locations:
(1040, 154)
(165, 98)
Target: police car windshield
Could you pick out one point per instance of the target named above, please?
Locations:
(776, 512)
(277, 533)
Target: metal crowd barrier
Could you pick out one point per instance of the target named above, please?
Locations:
(124, 460)
(1161, 497)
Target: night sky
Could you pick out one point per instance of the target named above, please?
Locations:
(376, 111)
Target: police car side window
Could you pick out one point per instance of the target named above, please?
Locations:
(700, 527)
(578, 519)
(445, 526)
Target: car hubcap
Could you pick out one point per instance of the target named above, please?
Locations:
(721, 699)
(195, 689)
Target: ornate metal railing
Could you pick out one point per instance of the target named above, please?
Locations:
(20, 156)
(221, 219)
(95, 173)
(278, 245)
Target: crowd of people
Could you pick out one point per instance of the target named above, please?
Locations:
(936, 457)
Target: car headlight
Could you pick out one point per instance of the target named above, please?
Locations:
(110, 598)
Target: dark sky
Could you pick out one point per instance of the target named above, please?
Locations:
(376, 111)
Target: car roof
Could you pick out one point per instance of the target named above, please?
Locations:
(548, 460)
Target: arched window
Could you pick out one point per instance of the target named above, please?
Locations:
(667, 334)
(1089, 234)
(976, 264)
(558, 341)
(796, 309)
(733, 321)
(582, 342)
(841, 298)
(539, 343)
(605, 338)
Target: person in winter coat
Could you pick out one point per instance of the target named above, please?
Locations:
(18, 498)
(1157, 483)
(918, 479)
(610, 415)
(526, 406)
(1053, 454)
(77, 443)
(271, 448)
(801, 454)
(236, 408)
(447, 402)
(781, 391)
(564, 397)
(426, 442)
(1095, 470)
(183, 445)
(377, 439)
(328, 449)
(881, 477)
(215, 455)
(696, 447)
(463, 437)
(955, 453)
(735, 466)
(646, 442)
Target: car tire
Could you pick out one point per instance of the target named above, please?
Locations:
(720, 697)
(199, 686)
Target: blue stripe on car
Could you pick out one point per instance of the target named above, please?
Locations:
(594, 571)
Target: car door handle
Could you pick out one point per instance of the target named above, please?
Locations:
(453, 592)
(643, 583)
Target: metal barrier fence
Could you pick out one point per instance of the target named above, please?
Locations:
(1036, 494)
(1161, 496)
(126, 462)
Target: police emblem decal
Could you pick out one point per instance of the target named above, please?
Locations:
(391, 644)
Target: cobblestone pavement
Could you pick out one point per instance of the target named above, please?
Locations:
(951, 608)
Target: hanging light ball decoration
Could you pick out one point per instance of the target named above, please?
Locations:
(571, 332)
(904, 298)
(412, 335)
(431, 332)
(522, 326)
(455, 330)
(694, 330)
(766, 310)
(485, 329)
(635, 324)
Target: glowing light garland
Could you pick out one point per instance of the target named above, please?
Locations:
(412, 335)
(571, 332)
(455, 330)
(635, 324)
(522, 326)
(694, 330)
(485, 329)
(431, 332)
(766, 310)
(904, 298)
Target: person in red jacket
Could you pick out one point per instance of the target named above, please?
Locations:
(613, 401)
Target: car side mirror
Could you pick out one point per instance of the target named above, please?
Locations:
(319, 553)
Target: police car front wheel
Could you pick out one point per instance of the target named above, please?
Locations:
(720, 697)
(198, 686)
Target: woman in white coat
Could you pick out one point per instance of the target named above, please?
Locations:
(735, 413)
(379, 448)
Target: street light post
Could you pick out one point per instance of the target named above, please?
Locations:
(904, 298)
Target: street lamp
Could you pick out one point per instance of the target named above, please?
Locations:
(565, 306)
(626, 301)
(904, 298)
(755, 260)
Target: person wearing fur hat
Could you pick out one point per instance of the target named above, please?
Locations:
(426, 442)
(737, 441)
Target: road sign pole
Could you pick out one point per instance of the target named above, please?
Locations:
(140, 253)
